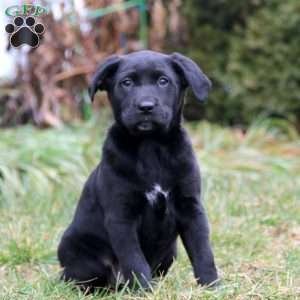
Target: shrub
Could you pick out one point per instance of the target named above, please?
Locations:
(250, 49)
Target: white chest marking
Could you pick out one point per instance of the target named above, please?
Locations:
(153, 194)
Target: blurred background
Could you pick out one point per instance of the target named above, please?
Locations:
(249, 49)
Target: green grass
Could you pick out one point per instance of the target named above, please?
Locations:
(251, 188)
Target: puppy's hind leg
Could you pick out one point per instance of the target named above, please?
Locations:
(88, 275)
(87, 269)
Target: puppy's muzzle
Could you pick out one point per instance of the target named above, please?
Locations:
(147, 105)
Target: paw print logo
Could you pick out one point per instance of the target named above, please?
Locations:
(24, 31)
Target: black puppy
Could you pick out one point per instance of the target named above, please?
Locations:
(146, 190)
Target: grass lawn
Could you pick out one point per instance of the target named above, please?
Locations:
(251, 188)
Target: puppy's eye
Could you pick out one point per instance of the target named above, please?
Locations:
(163, 81)
(126, 82)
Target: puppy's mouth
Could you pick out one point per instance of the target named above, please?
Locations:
(145, 126)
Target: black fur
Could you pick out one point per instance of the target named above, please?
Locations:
(116, 228)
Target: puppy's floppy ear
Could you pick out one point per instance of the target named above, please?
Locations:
(106, 69)
(193, 75)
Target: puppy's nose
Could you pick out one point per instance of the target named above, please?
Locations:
(146, 106)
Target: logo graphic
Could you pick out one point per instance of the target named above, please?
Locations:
(24, 30)
(25, 10)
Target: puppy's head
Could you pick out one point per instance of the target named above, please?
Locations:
(146, 88)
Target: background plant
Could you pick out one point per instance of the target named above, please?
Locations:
(250, 50)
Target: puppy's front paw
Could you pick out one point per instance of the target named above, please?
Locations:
(141, 281)
(208, 278)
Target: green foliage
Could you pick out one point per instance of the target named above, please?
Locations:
(251, 51)
(251, 187)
